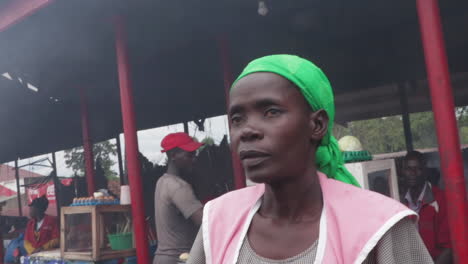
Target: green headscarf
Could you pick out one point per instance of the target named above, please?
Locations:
(315, 87)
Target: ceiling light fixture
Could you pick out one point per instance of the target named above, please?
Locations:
(262, 8)
(7, 75)
(33, 88)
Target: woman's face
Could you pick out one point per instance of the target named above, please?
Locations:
(273, 129)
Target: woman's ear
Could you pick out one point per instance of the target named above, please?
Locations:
(318, 123)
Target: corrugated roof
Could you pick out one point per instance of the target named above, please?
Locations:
(176, 67)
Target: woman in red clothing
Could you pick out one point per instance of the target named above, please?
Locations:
(42, 232)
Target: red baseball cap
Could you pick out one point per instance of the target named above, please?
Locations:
(179, 140)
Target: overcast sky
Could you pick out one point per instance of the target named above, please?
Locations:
(149, 142)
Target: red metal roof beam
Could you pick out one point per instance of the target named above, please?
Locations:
(15, 10)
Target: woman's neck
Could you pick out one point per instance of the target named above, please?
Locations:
(296, 201)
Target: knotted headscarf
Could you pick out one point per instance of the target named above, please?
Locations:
(316, 89)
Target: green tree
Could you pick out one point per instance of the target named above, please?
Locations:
(74, 158)
(462, 120)
(423, 130)
(380, 135)
(385, 135)
(207, 141)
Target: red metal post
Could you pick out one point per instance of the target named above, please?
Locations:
(446, 126)
(239, 176)
(131, 142)
(87, 144)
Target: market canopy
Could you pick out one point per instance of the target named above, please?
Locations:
(367, 50)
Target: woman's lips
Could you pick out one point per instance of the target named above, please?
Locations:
(253, 158)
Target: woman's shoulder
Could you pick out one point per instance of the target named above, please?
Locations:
(235, 203)
(344, 197)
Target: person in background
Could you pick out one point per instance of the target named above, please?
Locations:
(429, 202)
(178, 213)
(42, 231)
(13, 231)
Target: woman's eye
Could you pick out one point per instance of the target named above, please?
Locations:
(236, 119)
(272, 112)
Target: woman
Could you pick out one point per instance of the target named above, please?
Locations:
(42, 232)
(281, 112)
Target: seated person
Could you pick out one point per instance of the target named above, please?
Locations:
(42, 231)
(429, 202)
(15, 250)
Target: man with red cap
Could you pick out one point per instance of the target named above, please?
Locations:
(178, 213)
